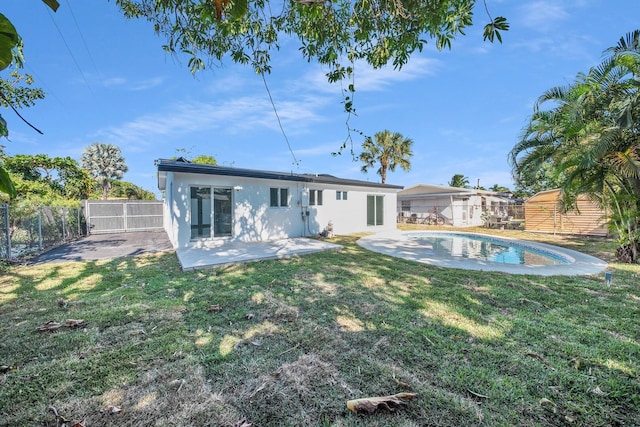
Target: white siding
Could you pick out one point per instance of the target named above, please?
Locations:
(255, 220)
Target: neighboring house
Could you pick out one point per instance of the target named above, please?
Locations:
(459, 207)
(206, 205)
(542, 212)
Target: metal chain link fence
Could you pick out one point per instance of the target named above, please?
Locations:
(28, 231)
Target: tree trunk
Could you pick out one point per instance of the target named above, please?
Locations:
(105, 190)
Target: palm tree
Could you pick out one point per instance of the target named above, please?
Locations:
(591, 139)
(104, 162)
(459, 180)
(499, 188)
(389, 150)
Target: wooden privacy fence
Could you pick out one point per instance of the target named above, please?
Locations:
(118, 216)
(543, 213)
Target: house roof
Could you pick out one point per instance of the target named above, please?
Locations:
(430, 190)
(182, 165)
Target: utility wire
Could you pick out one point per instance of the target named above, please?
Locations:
(70, 52)
(295, 161)
(86, 47)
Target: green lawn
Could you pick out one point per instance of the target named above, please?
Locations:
(287, 343)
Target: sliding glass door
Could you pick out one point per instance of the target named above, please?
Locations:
(204, 209)
(200, 212)
(222, 217)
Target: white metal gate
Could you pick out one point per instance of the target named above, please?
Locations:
(118, 216)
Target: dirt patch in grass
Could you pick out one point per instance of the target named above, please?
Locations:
(307, 387)
(172, 393)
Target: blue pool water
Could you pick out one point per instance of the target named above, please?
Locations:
(485, 248)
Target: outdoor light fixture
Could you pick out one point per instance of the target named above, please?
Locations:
(607, 278)
(237, 187)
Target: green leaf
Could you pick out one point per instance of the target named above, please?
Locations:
(4, 130)
(9, 38)
(53, 4)
(6, 185)
(492, 30)
(238, 9)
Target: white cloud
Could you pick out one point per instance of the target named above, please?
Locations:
(233, 116)
(114, 81)
(369, 79)
(147, 84)
(140, 85)
(543, 14)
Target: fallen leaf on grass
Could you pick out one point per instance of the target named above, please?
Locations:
(52, 326)
(214, 309)
(400, 383)
(73, 323)
(79, 423)
(478, 395)
(56, 414)
(546, 403)
(49, 326)
(243, 423)
(540, 359)
(370, 404)
(113, 409)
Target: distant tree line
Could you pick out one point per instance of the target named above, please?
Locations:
(41, 180)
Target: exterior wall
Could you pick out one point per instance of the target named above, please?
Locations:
(456, 211)
(253, 219)
(542, 213)
(170, 220)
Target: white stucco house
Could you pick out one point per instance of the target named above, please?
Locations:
(460, 207)
(204, 205)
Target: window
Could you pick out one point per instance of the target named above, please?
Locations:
(341, 195)
(278, 197)
(375, 210)
(344, 195)
(406, 205)
(315, 197)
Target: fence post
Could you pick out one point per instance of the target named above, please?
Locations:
(40, 227)
(124, 214)
(6, 229)
(64, 227)
(87, 216)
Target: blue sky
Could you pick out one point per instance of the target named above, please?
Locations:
(108, 80)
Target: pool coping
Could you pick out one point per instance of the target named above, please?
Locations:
(391, 243)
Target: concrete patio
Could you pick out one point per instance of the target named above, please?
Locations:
(203, 257)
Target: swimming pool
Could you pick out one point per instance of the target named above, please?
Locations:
(483, 252)
(486, 248)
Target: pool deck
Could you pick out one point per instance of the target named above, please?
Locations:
(204, 257)
(399, 245)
